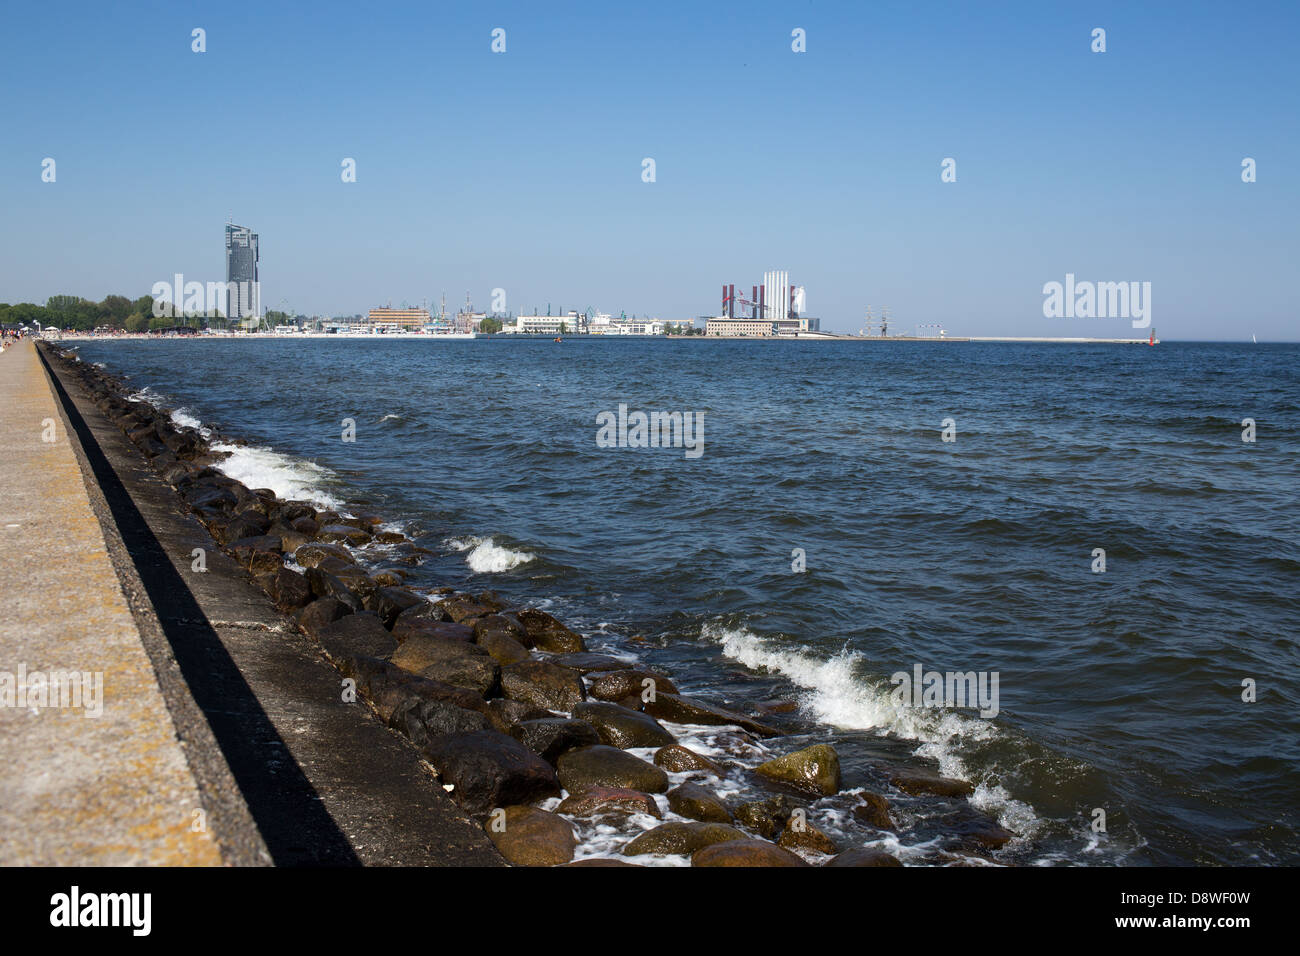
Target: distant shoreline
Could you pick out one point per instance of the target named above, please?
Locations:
(825, 337)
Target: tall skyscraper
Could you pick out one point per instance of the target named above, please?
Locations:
(243, 295)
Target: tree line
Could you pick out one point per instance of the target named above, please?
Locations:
(113, 311)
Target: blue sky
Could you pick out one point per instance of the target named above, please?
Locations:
(522, 170)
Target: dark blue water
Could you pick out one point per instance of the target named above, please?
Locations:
(1119, 691)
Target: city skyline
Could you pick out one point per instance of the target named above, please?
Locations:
(525, 170)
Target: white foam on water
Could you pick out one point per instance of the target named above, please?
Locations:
(290, 478)
(147, 394)
(186, 419)
(485, 556)
(837, 695)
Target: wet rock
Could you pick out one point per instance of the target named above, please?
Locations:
(863, 856)
(971, 829)
(686, 710)
(389, 688)
(917, 781)
(422, 719)
(290, 538)
(487, 769)
(331, 533)
(324, 584)
(258, 555)
(526, 836)
(554, 736)
(505, 714)
(776, 707)
(420, 615)
(547, 634)
(679, 759)
(389, 578)
(602, 801)
(745, 853)
(616, 685)
(623, 728)
(502, 638)
(452, 662)
(682, 838)
(389, 602)
(694, 802)
(321, 612)
(229, 531)
(768, 817)
(874, 811)
(405, 627)
(357, 635)
(462, 607)
(814, 769)
(585, 662)
(603, 766)
(390, 537)
(799, 834)
(543, 685)
(310, 555)
(287, 589)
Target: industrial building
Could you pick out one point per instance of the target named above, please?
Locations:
(773, 308)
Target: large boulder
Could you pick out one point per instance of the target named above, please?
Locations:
(259, 554)
(332, 533)
(603, 766)
(676, 837)
(423, 719)
(586, 662)
(505, 714)
(389, 602)
(486, 769)
(917, 780)
(863, 856)
(552, 737)
(603, 801)
(501, 637)
(310, 555)
(679, 759)
(621, 684)
(527, 836)
(317, 614)
(543, 684)
(814, 769)
(324, 584)
(463, 608)
(288, 589)
(547, 634)
(623, 728)
(799, 834)
(745, 853)
(687, 710)
(405, 627)
(768, 816)
(452, 662)
(695, 803)
(357, 635)
(873, 811)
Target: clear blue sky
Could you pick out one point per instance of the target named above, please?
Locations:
(523, 170)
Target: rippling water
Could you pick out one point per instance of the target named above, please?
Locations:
(1120, 691)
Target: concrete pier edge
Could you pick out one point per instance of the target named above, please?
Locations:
(229, 818)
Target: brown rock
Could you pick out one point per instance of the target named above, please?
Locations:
(686, 710)
(801, 835)
(598, 801)
(603, 766)
(543, 685)
(547, 634)
(487, 769)
(874, 811)
(863, 856)
(526, 836)
(623, 728)
(694, 802)
(814, 769)
(745, 853)
(917, 781)
(681, 838)
(679, 759)
(616, 685)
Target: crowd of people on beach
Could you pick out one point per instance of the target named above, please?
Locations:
(8, 338)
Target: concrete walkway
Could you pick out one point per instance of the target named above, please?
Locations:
(107, 790)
